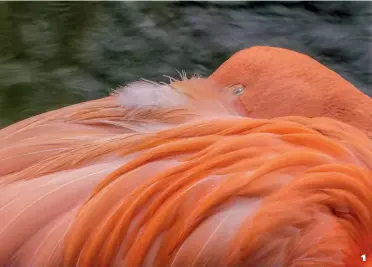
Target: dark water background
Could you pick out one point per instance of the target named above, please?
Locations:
(54, 54)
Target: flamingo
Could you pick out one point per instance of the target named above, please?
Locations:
(266, 162)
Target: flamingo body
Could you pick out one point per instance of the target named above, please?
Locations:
(193, 174)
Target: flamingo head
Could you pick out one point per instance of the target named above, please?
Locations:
(268, 82)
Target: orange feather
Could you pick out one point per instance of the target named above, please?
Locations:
(267, 162)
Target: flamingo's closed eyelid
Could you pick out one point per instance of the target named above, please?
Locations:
(237, 89)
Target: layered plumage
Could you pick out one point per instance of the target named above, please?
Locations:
(188, 174)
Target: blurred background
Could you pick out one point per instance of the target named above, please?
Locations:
(54, 54)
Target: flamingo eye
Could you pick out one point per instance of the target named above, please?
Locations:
(238, 90)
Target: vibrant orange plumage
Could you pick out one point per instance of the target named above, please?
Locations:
(194, 174)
